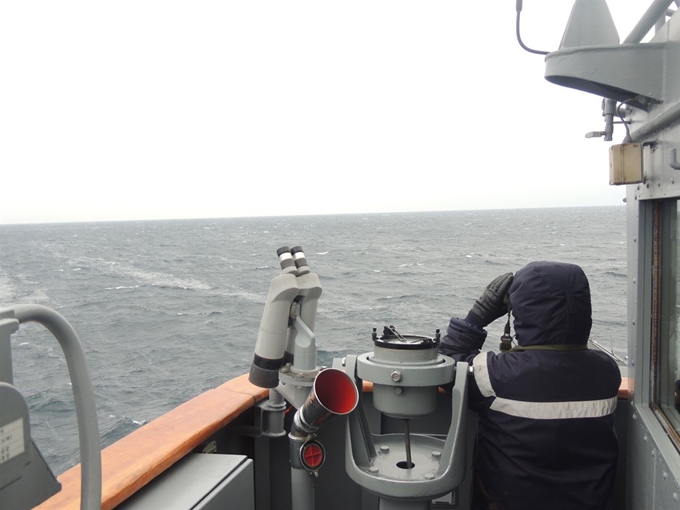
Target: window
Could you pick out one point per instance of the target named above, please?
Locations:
(667, 348)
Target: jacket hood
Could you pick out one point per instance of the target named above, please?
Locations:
(551, 304)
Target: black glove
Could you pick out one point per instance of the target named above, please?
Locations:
(492, 304)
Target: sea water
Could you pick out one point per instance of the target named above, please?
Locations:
(168, 309)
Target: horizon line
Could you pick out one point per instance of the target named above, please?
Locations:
(66, 222)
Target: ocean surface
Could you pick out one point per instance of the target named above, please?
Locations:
(168, 309)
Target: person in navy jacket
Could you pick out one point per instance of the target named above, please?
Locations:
(546, 435)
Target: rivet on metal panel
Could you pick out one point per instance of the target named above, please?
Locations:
(373, 470)
(653, 453)
(384, 449)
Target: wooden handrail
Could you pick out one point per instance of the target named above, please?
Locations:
(624, 389)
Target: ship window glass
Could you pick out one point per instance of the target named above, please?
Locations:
(668, 347)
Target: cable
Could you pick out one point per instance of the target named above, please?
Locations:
(627, 139)
(518, 7)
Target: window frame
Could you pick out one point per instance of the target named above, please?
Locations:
(665, 298)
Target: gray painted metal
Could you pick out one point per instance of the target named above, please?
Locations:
(654, 484)
(37, 483)
(432, 476)
(201, 482)
(627, 73)
(15, 437)
(405, 388)
(590, 24)
(7, 327)
(25, 479)
(653, 71)
(437, 372)
(657, 10)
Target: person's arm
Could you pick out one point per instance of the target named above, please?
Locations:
(464, 337)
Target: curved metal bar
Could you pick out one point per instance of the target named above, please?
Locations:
(664, 120)
(83, 395)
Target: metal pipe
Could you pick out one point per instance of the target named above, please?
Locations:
(665, 120)
(334, 393)
(609, 112)
(648, 20)
(305, 353)
(302, 483)
(8, 325)
(407, 440)
(83, 396)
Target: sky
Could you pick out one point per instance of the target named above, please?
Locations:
(133, 110)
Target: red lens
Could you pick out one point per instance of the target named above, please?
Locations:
(312, 455)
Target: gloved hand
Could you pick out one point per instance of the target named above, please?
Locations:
(492, 304)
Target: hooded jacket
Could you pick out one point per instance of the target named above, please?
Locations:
(546, 425)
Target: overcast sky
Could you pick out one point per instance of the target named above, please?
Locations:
(145, 110)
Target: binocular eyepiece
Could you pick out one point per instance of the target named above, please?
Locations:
(293, 258)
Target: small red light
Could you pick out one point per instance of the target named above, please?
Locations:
(312, 455)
